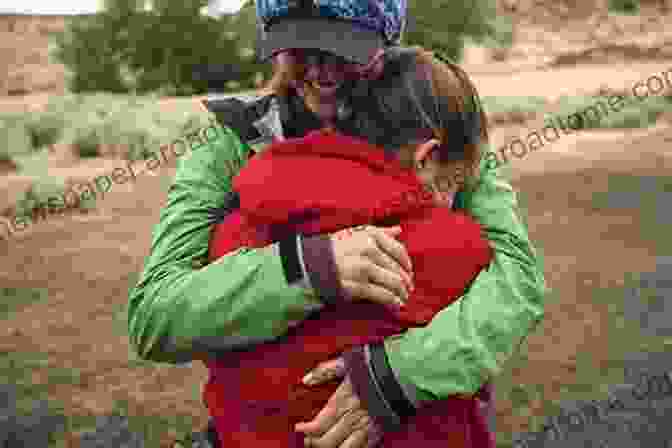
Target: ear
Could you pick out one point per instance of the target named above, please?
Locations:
(425, 151)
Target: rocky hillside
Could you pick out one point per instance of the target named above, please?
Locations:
(567, 32)
(24, 50)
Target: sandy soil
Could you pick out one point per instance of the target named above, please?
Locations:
(86, 262)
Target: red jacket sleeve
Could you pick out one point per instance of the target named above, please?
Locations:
(447, 251)
(233, 233)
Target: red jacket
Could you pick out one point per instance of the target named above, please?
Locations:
(324, 183)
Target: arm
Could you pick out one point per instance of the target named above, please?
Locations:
(467, 342)
(179, 310)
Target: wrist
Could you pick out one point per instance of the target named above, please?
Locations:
(376, 387)
(319, 265)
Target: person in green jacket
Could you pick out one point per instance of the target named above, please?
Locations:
(182, 309)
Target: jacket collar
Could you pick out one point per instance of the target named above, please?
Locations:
(260, 120)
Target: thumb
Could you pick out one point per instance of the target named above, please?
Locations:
(325, 371)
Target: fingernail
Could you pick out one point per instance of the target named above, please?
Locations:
(308, 379)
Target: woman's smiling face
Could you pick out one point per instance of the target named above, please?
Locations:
(321, 77)
(324, 74)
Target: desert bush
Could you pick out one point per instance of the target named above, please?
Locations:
(624, 6)
(126, 48)
(14, 299)
(44, 129)
(32, 204)
(14, 136)
(444, 25)
(635, 114)
(500, 33)
(87, 142)
(138, 123)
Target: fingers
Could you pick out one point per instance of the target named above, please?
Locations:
(325, 372)
(389, 265)
(372, 293)
(390, 281)
(352, 423)
(341, 402)
(373, 266)
(393, 248)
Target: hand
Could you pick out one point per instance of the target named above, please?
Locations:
(372, 265)
(342, 423)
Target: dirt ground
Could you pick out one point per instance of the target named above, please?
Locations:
(87, 262)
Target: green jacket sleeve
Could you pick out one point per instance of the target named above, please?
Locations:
(467, 343)
(182, 307)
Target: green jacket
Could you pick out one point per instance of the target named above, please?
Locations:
(182, 308)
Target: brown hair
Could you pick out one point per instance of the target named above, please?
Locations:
(458, 93)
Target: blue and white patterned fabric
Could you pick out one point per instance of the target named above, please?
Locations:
(385, 16)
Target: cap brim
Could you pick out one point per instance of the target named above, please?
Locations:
(343, 38)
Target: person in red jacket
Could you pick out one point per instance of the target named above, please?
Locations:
(370, 170)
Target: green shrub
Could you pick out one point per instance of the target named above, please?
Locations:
(443, 25)
(503, 104)
(87, 142)
(14, 299)
(84, 133)
(45, 129)
(14, 137)
(500, 34)
(31, 203)
(624, 6)
(126, 48)
(34, 203)
(88, 121)
(635, 114)
(88, 50)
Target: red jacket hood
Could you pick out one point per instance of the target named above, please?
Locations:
(342, 179)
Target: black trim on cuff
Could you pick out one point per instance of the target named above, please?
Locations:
(318, 259)
(291, 264)
(364, 385)
(388, 383)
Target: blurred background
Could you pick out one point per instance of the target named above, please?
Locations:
(89, 87)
